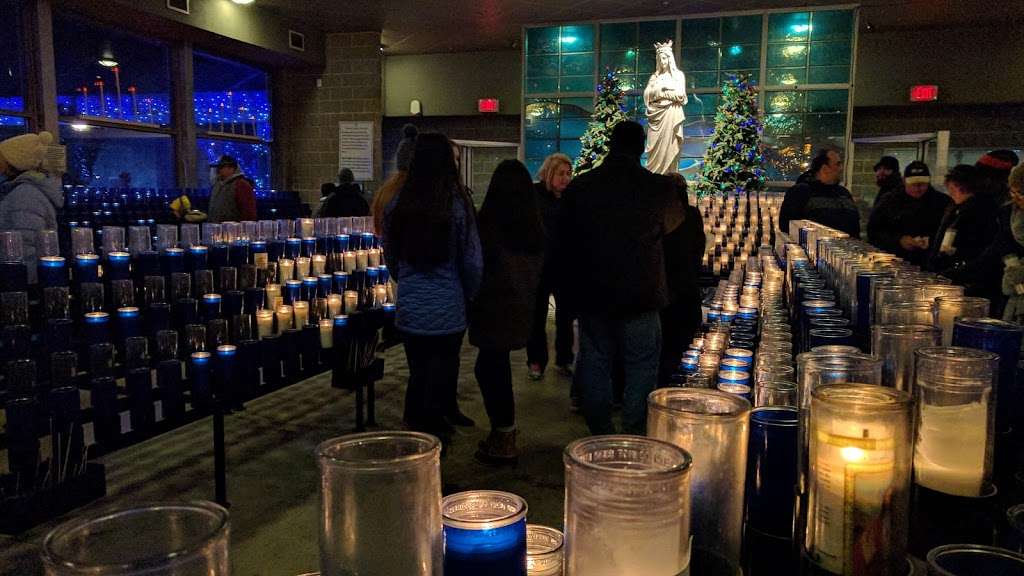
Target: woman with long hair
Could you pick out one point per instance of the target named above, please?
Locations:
(433, 249)
(512, 237)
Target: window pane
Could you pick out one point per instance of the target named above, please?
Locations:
(651, 32)
(542, 40)
(541, 66)
(540, 148)
(741, 29)
(541, 85)
(699, 104)
(699, 59)
(577, 38)
(535, 128)
(12, 126)
(647, 62)
(629, 82)
(787, 55)
(784, 125)
(573, 127)
(11, 87)
(830, 53)
(618, 36)
(755, 75)
(622, 62)
(132, 84)
(738, 56)
(115, 157)
(541, 109)
(571, 148)
(703, 32)
(787, 76)
(231, 97)
(828, 74)
(576, 84)
(832, 25)
(253, 159)
(577, 107)
(578, 64)
(702, 80)
(827, 100)
(785, 102)
(789, 27)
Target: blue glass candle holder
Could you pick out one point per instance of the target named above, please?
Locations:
(226, 360)
(369, 240)
(735, 365)
(275, 250)
(484, 533)
(1003, 338)
(58, 334)
(211, 306)
(254, 298)
(239, 253)
(340, 328)
(340, 282)
(13, 277)
(186, 311)
(52, 272)
(198, 258)
(172, 261)
(292, 291)
(158, 317)
(220, 256)
(372, 276)
(341, 242)
(771, 469)
(308, 247)
(737, 383)
(385, 274)
(199, 378)
(146, 263)
(389, 310)
(714, 315)
(689, 364)
(324, 284)
(233, 301)
(309, 288)
(740, 354)
(257, 247)
(97, 327)
(747, 314)
(129, 323)
(87, 268)
(293, 248)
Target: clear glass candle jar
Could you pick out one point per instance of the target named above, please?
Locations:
(895, 345)
(955, 412)
(949, 309)
(627, 507)
(859, 480)
(917, 312)
(712, 426)
(380, 504)
(168, 539)
(544, 551)
(775, 393)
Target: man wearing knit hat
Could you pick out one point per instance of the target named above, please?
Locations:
(993, 171)
(887, 177)
(29, 198)
(904, 221)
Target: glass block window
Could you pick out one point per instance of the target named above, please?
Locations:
(799, 122)
(253, 159)
(231, 98)
(554, 125)
(560, 59)
(713, 48)
(105, 74)
(810, 47)
(108, 157)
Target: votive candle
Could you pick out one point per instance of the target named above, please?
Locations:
(284, 318)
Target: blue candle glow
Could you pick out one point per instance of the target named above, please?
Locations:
(484, 533)
(740, 377)
(275, 250)
(87, 268)
(748, 313)
(714, 315)
(293, 248)
(129, 322)
(292, 291)
(172, 261)
(385, 274)
(369, 240)
(771, 469)
(309, 287)
(341, 242)
(340, 282)
(1004, 339)
(389, 310)
(372, 276)
(308, 247)
(199, 258)
(118, 266)
(258, 247)
(735, 365)
(689, 364)
(324, 283)
(741, 390)
(97, 327)
(199, 377)
(225, 369)
(340, 328)
(211, 306)
(52, 272)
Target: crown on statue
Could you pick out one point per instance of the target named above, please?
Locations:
(663, 46)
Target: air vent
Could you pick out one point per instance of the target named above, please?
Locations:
(178, 6)
(297, 40)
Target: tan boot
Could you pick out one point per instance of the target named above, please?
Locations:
(498, 449)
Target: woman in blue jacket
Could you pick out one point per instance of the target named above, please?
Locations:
(433, 249)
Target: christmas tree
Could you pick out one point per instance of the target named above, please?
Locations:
(733, 161)
(609, 111)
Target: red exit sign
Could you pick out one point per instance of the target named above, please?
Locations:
(924, 93)
(487, 105)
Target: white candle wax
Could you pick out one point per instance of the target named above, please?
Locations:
(273, 293)
(301, 310)
(373, 257)
(361, 258)
(264, 323)
(334, 302)
(259, 259)
(284, 317)
(350, 261)
(326, 333)
(949, 455)
(351, 301)
(302, 265)
(319, 264)
(285, 269)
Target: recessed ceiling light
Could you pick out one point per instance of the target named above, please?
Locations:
(243, 2)
(107, 59)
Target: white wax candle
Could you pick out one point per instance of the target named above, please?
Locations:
(273, 293)
(361, 258)
(351, 301)
(306, 226)
(284, 317)
(334, 302)
(264, 323)
(350, 261)
(319, 264)
(326, 333)
(259, 259)
(301, 310)
(949, 455)
(380, 295)
(302, 265)
(373, 257)
(285, 269)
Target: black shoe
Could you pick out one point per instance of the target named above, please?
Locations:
(460, 419)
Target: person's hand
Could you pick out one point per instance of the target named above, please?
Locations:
(908, 243)
(923, 242)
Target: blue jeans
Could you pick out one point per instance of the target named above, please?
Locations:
(637, 341)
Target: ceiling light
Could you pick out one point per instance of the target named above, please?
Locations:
(243, 2)
(107, 59)
(79, 127)
(800, 28)
(568, 39)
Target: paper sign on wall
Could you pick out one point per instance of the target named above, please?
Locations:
(355, 148)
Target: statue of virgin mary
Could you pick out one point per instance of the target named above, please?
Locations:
(664, 98)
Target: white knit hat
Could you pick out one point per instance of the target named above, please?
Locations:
(26, 152)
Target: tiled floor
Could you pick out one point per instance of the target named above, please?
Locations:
(272, 474)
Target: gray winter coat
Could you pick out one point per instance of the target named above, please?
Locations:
(29, 204)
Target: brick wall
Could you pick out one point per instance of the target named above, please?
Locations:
(307, 116)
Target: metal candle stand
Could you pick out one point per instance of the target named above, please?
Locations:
(356, 365)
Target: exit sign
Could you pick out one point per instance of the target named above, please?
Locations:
(487, 105)
(924, 93)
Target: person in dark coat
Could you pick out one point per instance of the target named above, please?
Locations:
(513, 247)
(684, 246)
(555, 174)
(342, 199)
(887, 177)
(904, 222)
(433, 251)
(822, 199)
(611, 229)
(967, 229)
(993, 173)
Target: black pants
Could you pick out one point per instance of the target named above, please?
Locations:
(537, 346)
(494, 374)
(679, 322)
(433, 379)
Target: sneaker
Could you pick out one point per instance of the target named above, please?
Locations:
(460, 419)
(565, 370)
(536, 372)
(499, 449)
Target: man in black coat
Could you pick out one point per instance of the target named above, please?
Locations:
(822, 199)
(612, 224)
(887, 177)
(905, 220)
(344, 199)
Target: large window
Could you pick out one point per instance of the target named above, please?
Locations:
(560, 59)
(108, 157)
(232, 112)
(553, 125)
(12, 85)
